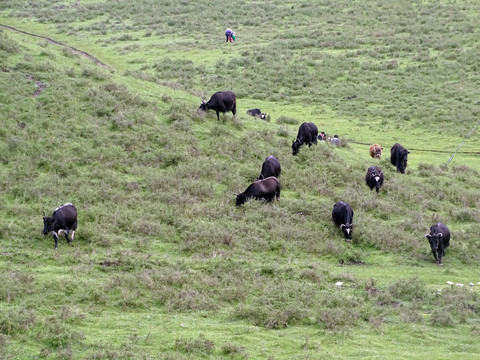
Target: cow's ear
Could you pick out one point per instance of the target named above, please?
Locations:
(408, 152)
(381, 148)
(428, 236)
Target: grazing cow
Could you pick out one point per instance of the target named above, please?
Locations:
(221, 101)
(271, 167)
(342, 216)
(266, 189)
(307, 134)
(439, 239)
(63, 220)
(374, 178)
(257, 113)
(398, 157)
(375, 151)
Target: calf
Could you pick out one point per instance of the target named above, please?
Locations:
(257, 113)
(374, 178)
(398, 157)
(270, 167)
(439, 239)
(266, 189)
(307, 134)
(221, 101)
(63, 220)
(375, 151)
(342, 216)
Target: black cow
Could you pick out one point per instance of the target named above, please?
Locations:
(63, 220)
(307, 134)
(266, 189)
(398, 157)
(257, 113)
(342, 216)
(221, 101)
(374, 178)
(439, 239)
(271, 167)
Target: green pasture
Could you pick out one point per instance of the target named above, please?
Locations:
(164, 266)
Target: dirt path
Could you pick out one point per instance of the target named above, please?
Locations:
(76, 51)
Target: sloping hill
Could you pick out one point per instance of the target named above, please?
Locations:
(163, 264)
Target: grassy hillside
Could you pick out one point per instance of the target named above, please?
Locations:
(163, 264)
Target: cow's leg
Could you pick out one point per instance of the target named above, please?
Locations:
(55, 237)
(64, 232)
(435, 254)
(218, 115)
(73, 236)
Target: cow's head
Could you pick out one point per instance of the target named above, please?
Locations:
(347, 230)
(434, 240)
(295, 146)
(378, 152)
(403, 158)
(47, 224)
(263, 116)
(241, 198)
(203, 106)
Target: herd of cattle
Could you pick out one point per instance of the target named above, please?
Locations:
(267, 186)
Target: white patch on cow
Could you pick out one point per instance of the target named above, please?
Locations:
(61, 206)
(73, 234)
(348, 230)
(377, 178)
(61, 231)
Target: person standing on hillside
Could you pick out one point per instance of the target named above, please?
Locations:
(230, 35)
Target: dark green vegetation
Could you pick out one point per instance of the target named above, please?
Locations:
(163, 264)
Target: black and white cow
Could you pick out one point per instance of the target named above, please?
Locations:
(266, 189)
(63, 220)
(257, 113)
(398, 157)
(307, 134)
(221, 101)
(374, 178)
(342, 216)
(270, 167)
(439, 239)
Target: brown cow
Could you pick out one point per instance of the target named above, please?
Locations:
(376, 151)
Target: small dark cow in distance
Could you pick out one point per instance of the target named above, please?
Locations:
(257, 113)
(265, 189)
(375, 151)
(374, 178)
(439, 239)
(221, 101)
(307, 134)
(63, 220)
(398, 157)
(270, 167)
(342, 216)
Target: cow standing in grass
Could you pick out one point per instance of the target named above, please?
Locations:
(221, 101)
(439, 239)
(398, 157)
(307, 134)
(375, 151)
(267, 189)
(63, 220)
(342, 216)
(374, 178)
(270, 167)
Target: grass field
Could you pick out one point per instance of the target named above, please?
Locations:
(164, 266)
